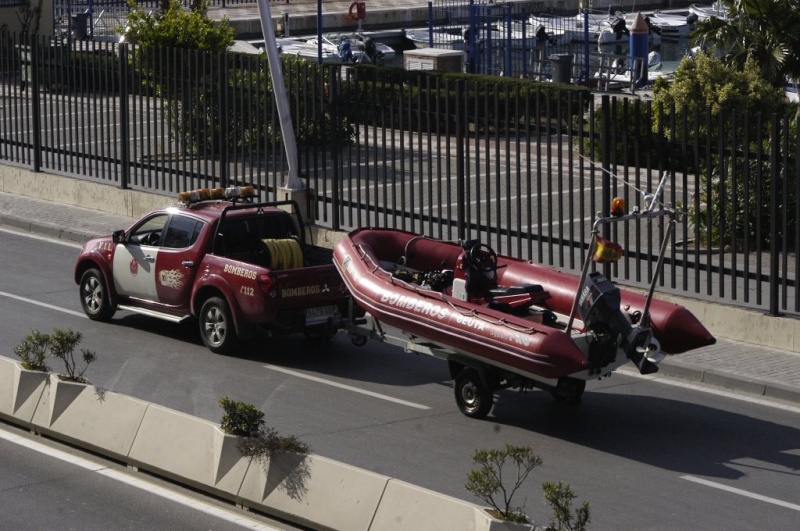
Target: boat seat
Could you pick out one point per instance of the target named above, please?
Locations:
(536, 291)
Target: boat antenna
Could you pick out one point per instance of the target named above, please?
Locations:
(650, 200)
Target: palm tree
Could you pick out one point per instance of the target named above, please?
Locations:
(767, 31)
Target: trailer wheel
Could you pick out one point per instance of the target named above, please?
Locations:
(473, 396)
(216, 326)
(358, 340)
(569, 390)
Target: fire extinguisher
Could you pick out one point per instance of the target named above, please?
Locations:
(360, 10)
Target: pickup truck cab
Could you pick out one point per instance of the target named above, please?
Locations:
(232, 264)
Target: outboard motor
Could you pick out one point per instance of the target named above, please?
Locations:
(652, 27)
(541, 34)
(371, 51)
(599, 308)
(619, 27)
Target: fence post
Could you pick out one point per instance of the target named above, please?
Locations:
(774, 226)
(222, 77)
(460, 177)
(335, 143)
(124, 119)
(36, 102)
(605, 144)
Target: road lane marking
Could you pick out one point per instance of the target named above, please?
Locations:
(27, 234)
(346, 387)
(42, 304)
(140, 484)
(709, 389)
(741, 492)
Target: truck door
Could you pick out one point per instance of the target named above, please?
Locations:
(135, 259)
(178, 259)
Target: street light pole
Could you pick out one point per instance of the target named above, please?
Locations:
(294, 182)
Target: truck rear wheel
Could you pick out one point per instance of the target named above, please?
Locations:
(473, 396)
(216, 326)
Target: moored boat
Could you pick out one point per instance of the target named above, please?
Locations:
(717, 9)
(345, 49)
(504, 322)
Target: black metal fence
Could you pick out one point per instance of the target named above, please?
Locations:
(521, 165)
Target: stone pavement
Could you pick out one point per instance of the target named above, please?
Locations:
(737, 366)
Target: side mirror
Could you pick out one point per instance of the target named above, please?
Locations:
(118, 236)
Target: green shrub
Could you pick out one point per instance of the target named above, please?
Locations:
(487, 481)
(256, 440)
(60, 344)
(33, 351)
(710, 105)
(240, 418)
(559, 496)
(429, 100)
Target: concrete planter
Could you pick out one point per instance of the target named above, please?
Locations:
(313, 491)
(20, 391)
(89, 416)
(308, 490)
(501, 525)
(190, 450)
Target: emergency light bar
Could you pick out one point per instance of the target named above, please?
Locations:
(206, 194)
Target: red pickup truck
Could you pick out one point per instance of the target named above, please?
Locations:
(233, 264)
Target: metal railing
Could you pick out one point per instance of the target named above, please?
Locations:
(523, 166)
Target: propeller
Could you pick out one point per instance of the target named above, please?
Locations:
(644, 350)
(652, 352)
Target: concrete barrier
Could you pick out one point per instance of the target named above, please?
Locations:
(20, 391)
(89, 416)
(407, 507)
(314, 491)
(308, 490)
(189, 450)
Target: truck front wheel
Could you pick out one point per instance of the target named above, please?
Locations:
(473, 396)
(216, 326)
(95, 301)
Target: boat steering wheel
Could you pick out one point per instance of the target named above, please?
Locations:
(483, 259)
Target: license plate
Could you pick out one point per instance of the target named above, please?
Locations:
(322, 311)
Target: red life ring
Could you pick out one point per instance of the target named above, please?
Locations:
(360, 8)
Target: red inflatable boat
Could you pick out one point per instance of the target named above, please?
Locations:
(504, 322)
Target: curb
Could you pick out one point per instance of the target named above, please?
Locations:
(49, 230)
(730, 381)
(45, 229)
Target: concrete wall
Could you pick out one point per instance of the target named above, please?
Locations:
(79, 192)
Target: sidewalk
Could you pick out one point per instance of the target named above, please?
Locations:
(732, 365)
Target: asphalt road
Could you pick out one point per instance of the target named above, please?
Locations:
(646, 454)
(47, 485)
